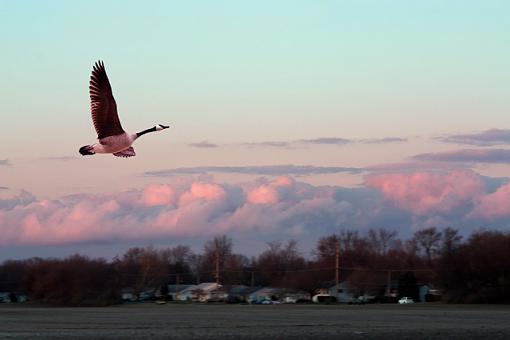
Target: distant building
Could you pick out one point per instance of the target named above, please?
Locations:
(427, 293)
(343, 292)
(227, 293)
(290, 295)
(13, 297)
(174, 290)
(200, 292)
(243, 294)
(284, 295)
(263, 294)
(128, 295)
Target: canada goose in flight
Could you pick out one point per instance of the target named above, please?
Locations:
(112, 138)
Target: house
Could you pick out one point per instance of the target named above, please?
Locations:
(263, 294)
(291, 295)
(22, 297)
(9, 297)
(243, 294)
(230, 293)
(219, 294)
(5, 297)
(128, 294)
(131, 295)
(174, 290)
(342, 292)
(427, 293)
(147, 294)
(200, 292)
(285, 295)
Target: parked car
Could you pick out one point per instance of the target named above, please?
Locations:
(405, 300)
(323, 298)
(361, 300)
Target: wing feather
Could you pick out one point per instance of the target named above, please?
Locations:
(102, 104)
(129, 152)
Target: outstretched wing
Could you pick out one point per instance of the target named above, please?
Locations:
(129, 152)
(102, 104)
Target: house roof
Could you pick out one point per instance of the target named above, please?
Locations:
(206, 286)
(265, 290)
(231, 289)
(246, 290)
(177, 288)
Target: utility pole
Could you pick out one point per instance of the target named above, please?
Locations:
(176, 285)
(337, 264)
(217, 266)
(252, 278)
(388, 284)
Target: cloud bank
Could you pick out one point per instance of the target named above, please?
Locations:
(265, 209)
(269, 170)
(203, 144)
(484, 138)
(4, 162)
(305, 142)
(468, 156)
(327, 140)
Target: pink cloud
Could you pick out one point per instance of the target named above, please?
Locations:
(208, 191)
(428, 192)
(155, 195)
(494, 205)
(272, 192)
(264, 194)
(202, 191)
(281, 207)
(182, 208)
(283, 181)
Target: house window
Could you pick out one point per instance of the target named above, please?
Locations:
(339, 290)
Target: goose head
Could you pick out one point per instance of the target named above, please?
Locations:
(161, 127)
(87, 150)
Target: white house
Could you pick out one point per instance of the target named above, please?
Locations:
(200, 292)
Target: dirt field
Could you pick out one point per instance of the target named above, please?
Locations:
(207, 321)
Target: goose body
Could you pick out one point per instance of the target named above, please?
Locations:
(111, 136)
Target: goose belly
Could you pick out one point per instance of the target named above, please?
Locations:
(112, 144)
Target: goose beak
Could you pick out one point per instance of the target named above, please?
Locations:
(164, 126)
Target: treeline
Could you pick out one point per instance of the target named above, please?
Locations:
(466, 270)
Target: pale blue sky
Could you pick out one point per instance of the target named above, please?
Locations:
(294, 69)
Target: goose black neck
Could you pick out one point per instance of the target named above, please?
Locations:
(152, 129)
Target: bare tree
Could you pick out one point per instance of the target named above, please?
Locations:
(349, 240)
(217, 252)
(428, 241)
(450, 241)
(196, 264)
(177, 259)
(381, 240)
(325, 251)
(142, 268)
(279, 262)
(220, 246)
